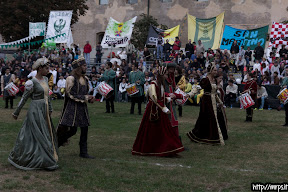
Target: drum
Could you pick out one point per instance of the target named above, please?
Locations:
(132, 90)
(180, 101)
(50, 92)
(105, 90)
(246, 100)
(283, 96)
(11, 89)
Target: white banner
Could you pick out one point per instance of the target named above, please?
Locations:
(37, 29)
(59, 23)
(118, 33)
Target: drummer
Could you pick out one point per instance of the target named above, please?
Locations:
(285, 85)
(250, 88)
(5, 80)
(109, 77)
(137, 77)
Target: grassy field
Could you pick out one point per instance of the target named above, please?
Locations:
(255, 152)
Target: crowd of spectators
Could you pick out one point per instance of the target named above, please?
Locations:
(192, 61)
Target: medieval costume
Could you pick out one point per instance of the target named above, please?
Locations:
(170, 86)
(251, 88)
(75, 111)
(109, 77)
(5, 80)
(137, 77)
(156, 136)
(207, 129)
(36, 144)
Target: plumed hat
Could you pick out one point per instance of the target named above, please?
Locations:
(77, 63)
(168, 64)
(40, 62)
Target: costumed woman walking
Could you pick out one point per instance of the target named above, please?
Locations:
(207, 129)
(36, 144)
(156, 136)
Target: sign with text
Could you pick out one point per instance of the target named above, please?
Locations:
(247, 38)
(37, 29)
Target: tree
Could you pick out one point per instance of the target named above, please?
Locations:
(15, 15)
(141, 28)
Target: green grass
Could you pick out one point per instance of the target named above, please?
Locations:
(255, 152)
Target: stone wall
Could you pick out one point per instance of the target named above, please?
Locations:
(244, 14)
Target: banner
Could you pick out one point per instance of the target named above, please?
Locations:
(118, 33)
(247, 38)
(209, 31)
(167, 34)
(59, 23)
(279, 34)
(37, 29)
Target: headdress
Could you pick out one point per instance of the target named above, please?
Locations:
(77, 63)
(40, 62)
(162, 70)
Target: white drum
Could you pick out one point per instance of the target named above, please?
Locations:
(12, 89)
(180, 101)
(105, 90)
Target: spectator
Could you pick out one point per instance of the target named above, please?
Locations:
(248, 56)
(231, 93)
(200, 47)
(276, 80)
(258, 52)
(234, 47)
(242, 52)
(122, 94)
(189, 49)
(257, 66)
(159, 46)
(240, 63)
(167, 50)
(130, 49)
(261, 95)
(177, 44)
(147, 54)
(98, 52)
(87, 51)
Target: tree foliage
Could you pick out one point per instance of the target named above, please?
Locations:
(15, 15)
(141, 28)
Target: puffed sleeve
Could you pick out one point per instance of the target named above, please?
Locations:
(152, 92)
(28, 91)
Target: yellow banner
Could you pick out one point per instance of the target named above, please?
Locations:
(209, 31)
(171, 34)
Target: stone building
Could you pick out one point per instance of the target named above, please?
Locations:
(244, 14)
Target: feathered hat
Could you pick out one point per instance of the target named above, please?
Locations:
(40, 62)
(77, 63)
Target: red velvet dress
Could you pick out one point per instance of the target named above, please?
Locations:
(221, 115)
(156, 136)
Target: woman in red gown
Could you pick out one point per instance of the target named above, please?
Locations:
(156, 136)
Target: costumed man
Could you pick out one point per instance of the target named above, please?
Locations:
(170, 87)
(5, 80)
(75, 111)
(285, 85)
(251, 88)
(137, 77)
(109, 77)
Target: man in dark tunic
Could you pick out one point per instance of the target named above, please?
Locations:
(251, 88)
(5, 80)
(75, 112)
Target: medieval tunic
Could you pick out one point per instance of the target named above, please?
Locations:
(135, 76)
(75, 112)
(207, 129)
(36, 144)
(5, 80)
(252, 86)
(156, 136)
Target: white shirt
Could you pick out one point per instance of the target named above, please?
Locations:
(122, 87)
(61, 83)
(262, 92)
(54, 73)
(257, 66)
(232, 89)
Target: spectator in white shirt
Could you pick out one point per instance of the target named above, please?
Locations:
(242, 52)
(257, 65)
(231, 93)
(61, 84)
(261, 96)
(122, 94)
(240, 62)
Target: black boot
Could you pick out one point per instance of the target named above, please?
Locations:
(83, 151)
